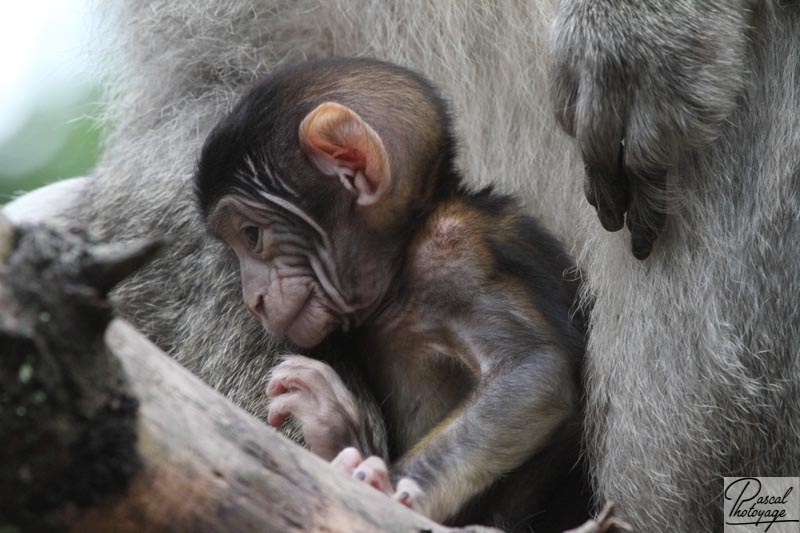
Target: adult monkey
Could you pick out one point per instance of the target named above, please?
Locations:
(693, 371)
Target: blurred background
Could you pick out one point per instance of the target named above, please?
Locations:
(49, 93)
(49, 97)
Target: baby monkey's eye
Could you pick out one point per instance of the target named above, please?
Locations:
(252, 235)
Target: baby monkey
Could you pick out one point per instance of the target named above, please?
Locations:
(334, 184)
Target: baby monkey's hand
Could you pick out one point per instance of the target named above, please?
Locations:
(312, 393)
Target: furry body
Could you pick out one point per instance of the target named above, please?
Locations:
(692, 368)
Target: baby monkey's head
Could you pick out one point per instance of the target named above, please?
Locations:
(317, 179)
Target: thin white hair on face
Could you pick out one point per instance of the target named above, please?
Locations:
(321, 261)
(253, 175)
(266, 170)
(278, 183)
(289, 207)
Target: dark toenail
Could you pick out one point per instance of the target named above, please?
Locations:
(360, 475)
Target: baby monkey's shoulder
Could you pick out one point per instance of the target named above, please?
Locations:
(485, 240)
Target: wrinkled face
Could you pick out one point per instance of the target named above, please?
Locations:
(265, 161)
(288, 278)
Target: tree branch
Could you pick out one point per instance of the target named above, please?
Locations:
(103, 431)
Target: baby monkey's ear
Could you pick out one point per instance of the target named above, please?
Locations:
(340, 143)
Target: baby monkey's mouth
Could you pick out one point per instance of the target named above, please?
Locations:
(295, 317)
(311, 323)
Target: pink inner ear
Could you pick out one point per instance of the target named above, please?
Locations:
(339, 143)
(334, 161)
(348, 157)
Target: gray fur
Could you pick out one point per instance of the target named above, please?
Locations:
(638, 84)
(695, 353)
(694, 369)
(50, 204)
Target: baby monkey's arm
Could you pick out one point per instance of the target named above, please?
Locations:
(525, 393)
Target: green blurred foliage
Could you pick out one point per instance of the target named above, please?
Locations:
(60, 139)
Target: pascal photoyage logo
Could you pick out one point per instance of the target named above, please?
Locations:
(761, 504)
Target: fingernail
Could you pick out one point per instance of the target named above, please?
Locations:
(360, 475)
(641, 244)
(588, 191)
(640, 247)
(642, 253)
(610, 220)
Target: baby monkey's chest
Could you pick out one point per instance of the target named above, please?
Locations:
(419, 379)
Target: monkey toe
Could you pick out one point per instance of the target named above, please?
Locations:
(646, 219)
(605, 522)
(347, 460)
(409, 493)
(301, 362)
(608, 194)
(297, 373)
(608, 522)
(280, 408)
(276, 387)
(374, 472)
(284, 380)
